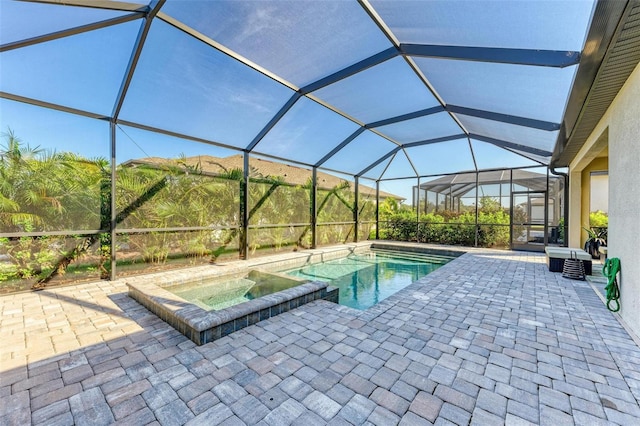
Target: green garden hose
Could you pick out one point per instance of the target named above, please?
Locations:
(610, 270)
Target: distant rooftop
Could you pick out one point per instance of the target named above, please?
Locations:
(259, 167)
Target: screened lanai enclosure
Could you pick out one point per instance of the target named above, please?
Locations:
(509, 208)
(141, 136)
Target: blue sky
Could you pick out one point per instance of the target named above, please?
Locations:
(183, 85)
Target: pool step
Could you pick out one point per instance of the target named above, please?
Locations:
(414, 256)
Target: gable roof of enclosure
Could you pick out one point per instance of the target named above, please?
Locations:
(460, 184)
(371, 88)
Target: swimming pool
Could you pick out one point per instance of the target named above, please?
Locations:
(207, 303)
(366, 279)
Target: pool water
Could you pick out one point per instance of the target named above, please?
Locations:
(366, 279)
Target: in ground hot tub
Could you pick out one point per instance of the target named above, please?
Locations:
(209, 308)
(221, 293)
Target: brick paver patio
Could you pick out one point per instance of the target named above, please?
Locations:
(491, 338)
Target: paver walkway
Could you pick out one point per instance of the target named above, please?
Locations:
(491, 338)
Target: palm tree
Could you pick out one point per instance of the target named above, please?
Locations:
(46, 191)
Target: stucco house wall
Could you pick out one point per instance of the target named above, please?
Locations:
(621, 126)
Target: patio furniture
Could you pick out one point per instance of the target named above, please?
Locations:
(603, 251)
(573, 268)
(557, 255)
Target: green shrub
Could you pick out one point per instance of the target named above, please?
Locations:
(598, 219)
(449, 227)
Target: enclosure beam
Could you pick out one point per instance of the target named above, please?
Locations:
(377, 19)
(435, 140)
(541, 58)
(205, 141)
(70, 32)
(380, 160)
(344, 143)
(55, 107)
(405, 117)
(98, 4)
(507, 144)
(473, 154)
(461, 172)
(175, 134)
(504, 118)
(135, 56)
(272, 123)
(365, 64)
(528, 157)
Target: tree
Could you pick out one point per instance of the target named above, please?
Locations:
(43, 191)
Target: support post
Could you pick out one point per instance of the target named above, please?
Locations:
(546, 213)
(565, 206)
(112, 213)
(356, 213)
(426, 201)
(243, 241)
(477, 228)
(314, 207)
(418, 213)
(511, 209)
(377, 210)
(451, 197)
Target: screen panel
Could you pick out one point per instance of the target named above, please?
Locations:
(25, 20)
(336, 209)
(279, 206)
(519, 90)
(173, 89)
(37, 262)
(422, 128)
(360, 153)
(165, 182)
(149, 252)
(386, 90)
(55, 169)
(489, 156)
(520, 24)
(443, 157)
(283, 36)
(494, 219)
(400, 167)
(367, 209)
(336, 196)
(377, 171)
(83, 71)
(527, 136)
(306, 133)
(54, 184)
